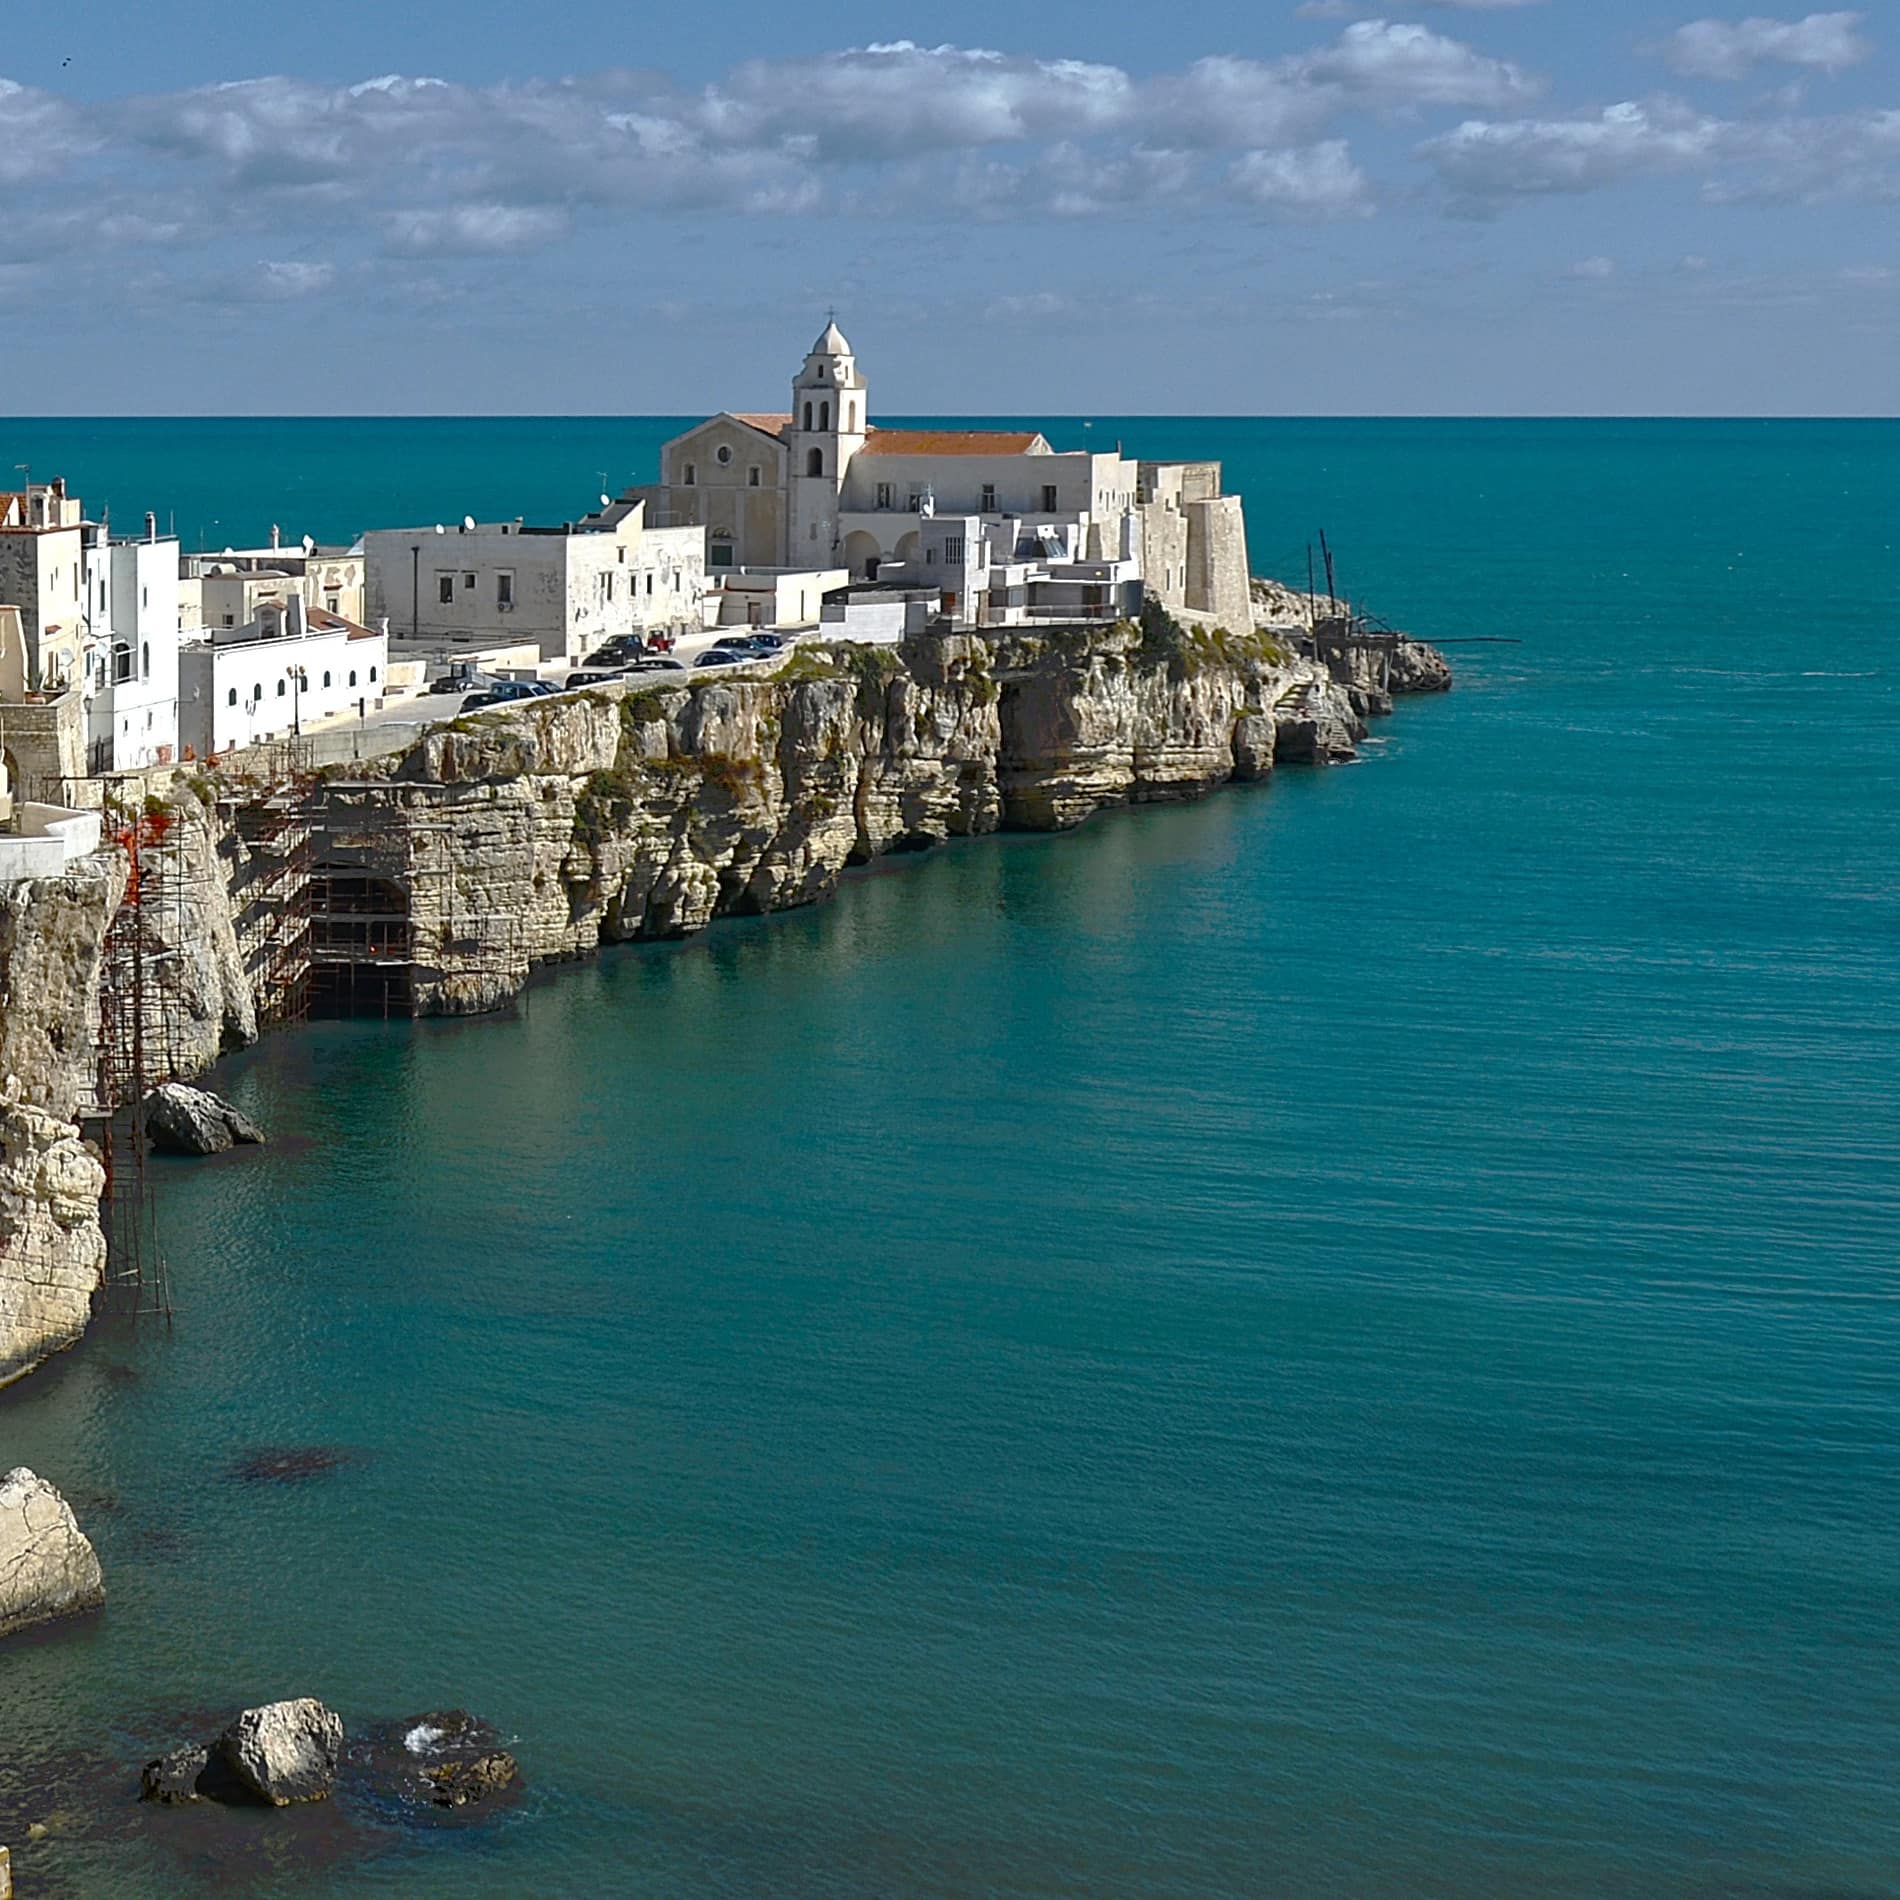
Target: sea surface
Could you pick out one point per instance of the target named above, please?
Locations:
(1339, 1341)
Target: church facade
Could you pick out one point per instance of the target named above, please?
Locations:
(822, 486)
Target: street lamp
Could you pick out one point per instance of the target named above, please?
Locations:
(299, 679)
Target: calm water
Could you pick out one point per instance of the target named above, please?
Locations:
(1340, 1341)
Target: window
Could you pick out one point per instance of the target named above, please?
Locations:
(824, 415)
(930, 557)
(281, 687)
(145, 660)
(468, 583)
(719, 551)
(445, 589)
(649, 586)
(821, 372)
(230, 620)
(815, 462)
(883, 494)
(352, 676)
(605, 586)
(848, 413)
(1048, 498)
(988, 504)
(814, 531)
(504, 590)
(752, 476)
(231, 697)
(723, 455)
(916, 502)
(372, 676)
(333, 603)
(953, 548)
(692, 475)
(808, 415)
(145, 596)
(326, 677)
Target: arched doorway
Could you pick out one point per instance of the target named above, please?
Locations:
(862, 552)
(908, 546)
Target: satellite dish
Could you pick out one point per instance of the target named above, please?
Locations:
(468, 524)
(440, 529)
(230, 550)
(606, 501)
(309, 544)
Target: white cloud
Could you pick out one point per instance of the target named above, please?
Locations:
(289, 280)
(474, 229)
(1317, 182)
(40, 135)
(1731, 49)
(1592, 269)
(1487, 159)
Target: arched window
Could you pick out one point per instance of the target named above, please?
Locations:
(326, 677)
(692, 474)
(372, 676)
(848, 413)
(352, 676)
(280, 689)
(815, 462)
(808, 415)
(145, 660)
(232, 699)
(824, 415)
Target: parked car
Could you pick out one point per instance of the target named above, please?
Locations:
(721, 656)
(591, 676)
(766, 642)
(540, 689)
(457, 683)
(655, 663)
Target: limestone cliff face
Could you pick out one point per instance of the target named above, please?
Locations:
(52, 1250)
(539, 832)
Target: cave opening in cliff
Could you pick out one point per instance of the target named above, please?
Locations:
(362, 945)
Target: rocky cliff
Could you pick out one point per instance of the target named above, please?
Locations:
(539, 832)
(52, 1250)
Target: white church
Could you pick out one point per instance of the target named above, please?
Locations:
(999, 520)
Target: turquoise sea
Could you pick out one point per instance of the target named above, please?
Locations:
(1340, 1341)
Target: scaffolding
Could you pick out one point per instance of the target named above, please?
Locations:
(271, 900)
(140, 1046)
(390, 925)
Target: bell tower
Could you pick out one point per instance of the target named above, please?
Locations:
(828, 429)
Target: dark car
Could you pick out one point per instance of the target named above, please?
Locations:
(721, 656)
(456, 683)
(615, 652)
(591, 676)
(655, 663)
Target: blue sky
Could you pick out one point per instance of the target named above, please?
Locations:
(1473, 206)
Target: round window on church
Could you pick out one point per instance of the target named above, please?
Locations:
(725, 455)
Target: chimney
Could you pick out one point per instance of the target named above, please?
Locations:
(59, 487)
(276, 535)
(151, 525)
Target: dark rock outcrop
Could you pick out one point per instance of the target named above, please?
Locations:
(176, 1778)
(48, 1569)
(182, 1120)
(1418, 668)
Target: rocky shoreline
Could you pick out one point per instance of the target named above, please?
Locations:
(539, 833)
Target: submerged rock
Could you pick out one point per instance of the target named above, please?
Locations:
(183, 1120)
(285, 1752)
(289, 1464)
(48, 1568)
(447, 1759)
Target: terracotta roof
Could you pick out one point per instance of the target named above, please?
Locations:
(324, 621)
(953, 442)
(766, 425)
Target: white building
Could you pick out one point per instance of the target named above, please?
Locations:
(227, 588)
(1007, 571)
(43, 574)
(487, 584)
(131, 649)
(821, 485)
(290, 669)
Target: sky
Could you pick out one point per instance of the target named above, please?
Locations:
(1484, 207)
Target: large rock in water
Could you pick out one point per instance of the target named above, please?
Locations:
(47, 1567)
(182, 1120)
(285, 1752)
